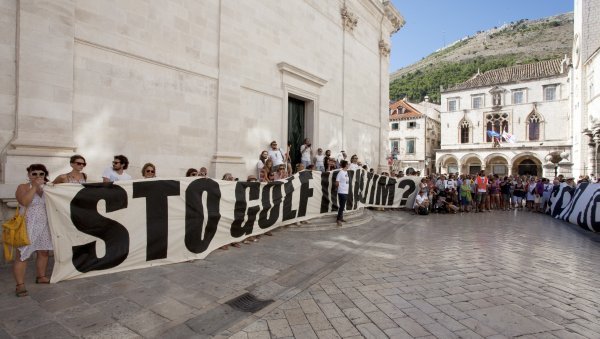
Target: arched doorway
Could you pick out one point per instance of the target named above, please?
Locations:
(497, 164)
(527, 167)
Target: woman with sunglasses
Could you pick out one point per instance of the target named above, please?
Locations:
(149, 170)
(76, 176)
(281, 173)
(266, 173)
(31, 200)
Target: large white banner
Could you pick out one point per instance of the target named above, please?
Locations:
(578, 205)
(105, 228)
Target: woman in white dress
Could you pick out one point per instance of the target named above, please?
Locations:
(31, 200)
(76, 175)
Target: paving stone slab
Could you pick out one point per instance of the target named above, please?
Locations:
(510, 320)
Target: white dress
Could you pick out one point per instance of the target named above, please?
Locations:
(37, 227)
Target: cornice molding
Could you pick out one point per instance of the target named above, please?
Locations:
(284, 67)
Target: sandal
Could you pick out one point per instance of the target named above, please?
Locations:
(269, 233)
(236, 244)
(42, 280)
(21, 292)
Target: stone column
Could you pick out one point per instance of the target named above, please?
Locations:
(44, 111)
(565, 167)
(227, 158)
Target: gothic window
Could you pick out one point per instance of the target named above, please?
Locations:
(534, 126)
(497, 122)
(465, 129)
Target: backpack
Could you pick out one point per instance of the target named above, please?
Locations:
(14, 234)
(423, 211)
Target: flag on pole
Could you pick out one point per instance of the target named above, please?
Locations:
(509, 137)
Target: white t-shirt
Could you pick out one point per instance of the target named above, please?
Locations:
(114, 176)
(419, 199)
(450, 184)
(305, 151)
(320, 160)
(276, 157)
(353, 166)
(259, 167)
(343, 182)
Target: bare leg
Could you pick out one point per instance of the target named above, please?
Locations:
(19, 268)
(41, 264)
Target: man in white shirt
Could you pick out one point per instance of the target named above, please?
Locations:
(276, 154)
(306, 153)
(117, 171)
(421, 200)
(342, 182)
(341, 156)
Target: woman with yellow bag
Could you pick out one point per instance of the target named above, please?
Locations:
(31, 200)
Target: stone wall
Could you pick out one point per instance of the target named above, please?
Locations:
(188, 84)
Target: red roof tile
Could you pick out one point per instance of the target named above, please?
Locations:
(409, 112)
(537, 70)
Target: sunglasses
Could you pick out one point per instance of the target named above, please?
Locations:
(194, 174)
(116, 162)
(149, 171)
(37, 174)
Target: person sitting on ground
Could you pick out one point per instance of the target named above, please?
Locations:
(421, 203)
(300, 167)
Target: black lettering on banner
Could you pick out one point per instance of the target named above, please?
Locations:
(350, 199)
(591, 211)
(85, 217)
(240, 212)
(390, 192)
(157, 214)
(563, 198)
(373, 188)
(381, 191)
(325, 198)
(305, 191)
(194, 213)
(288, 212)
(358, 187)
(409, 187)
(334, 196)
(366, 188)
(267, 209)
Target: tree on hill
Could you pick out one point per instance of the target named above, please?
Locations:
(416, 85)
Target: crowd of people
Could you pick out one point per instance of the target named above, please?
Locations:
(437, 193)
(454, 193)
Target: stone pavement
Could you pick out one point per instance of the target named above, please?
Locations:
(486, 275)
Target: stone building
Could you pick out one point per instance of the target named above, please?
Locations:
(414, 135)
(189, 84)
(529, 102)
(586, 87)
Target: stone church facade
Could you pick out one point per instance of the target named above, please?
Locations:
(189, 84)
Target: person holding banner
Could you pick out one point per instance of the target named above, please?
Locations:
(117, 171)
(31, 199)
(76, 175)
(148, 171)
(342, 182)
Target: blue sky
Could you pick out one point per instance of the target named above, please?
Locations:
(431, 24)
